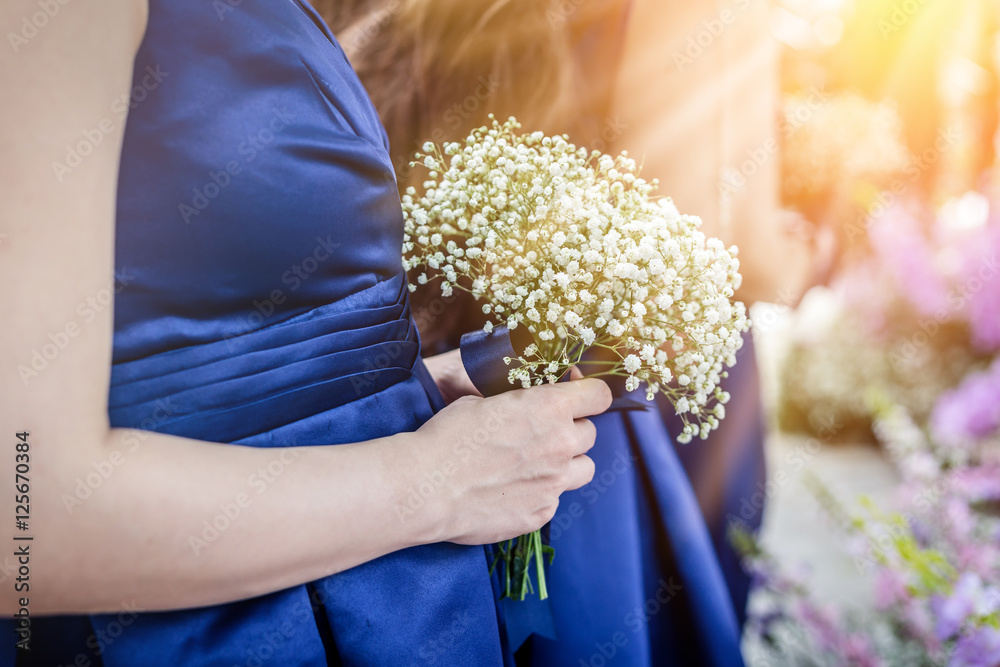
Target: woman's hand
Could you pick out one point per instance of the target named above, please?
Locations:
(449, 374)
(493, 468)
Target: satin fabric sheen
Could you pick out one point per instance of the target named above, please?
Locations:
(728, 471)
(259, 230)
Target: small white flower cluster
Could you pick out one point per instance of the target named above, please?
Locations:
(570, 245)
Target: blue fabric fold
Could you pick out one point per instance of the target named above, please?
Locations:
(530, 616)
(309, 383)
(487, 359)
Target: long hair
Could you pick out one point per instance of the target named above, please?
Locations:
(436, 68)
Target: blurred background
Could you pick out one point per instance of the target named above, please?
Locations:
(885, 383)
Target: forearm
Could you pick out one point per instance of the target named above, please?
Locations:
(162, 522)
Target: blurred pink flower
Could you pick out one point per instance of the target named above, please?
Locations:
(980, 287)
(902, 247)
(856, 649)
(890, 588)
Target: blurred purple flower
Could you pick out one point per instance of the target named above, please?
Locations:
(917, 619)
(971, 411)
(968, 598)
(979, 648)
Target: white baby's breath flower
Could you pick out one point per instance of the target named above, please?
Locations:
(575, 247)
(631, 363)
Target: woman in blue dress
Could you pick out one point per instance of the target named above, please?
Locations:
(225, 160)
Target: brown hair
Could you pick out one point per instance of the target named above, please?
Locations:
(436, 68)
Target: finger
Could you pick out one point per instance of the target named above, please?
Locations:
(588, 396)
(575, 373)
(581, 471)
(586, 435)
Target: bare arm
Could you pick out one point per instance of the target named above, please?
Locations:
(141, 535)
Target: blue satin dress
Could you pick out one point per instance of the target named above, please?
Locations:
(263, 304)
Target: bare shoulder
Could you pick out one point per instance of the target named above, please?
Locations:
(47, 38)
(65, 59)
(63, 67)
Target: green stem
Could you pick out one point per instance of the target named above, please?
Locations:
(543, 591)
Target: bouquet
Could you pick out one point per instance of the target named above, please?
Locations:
(571, 246)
